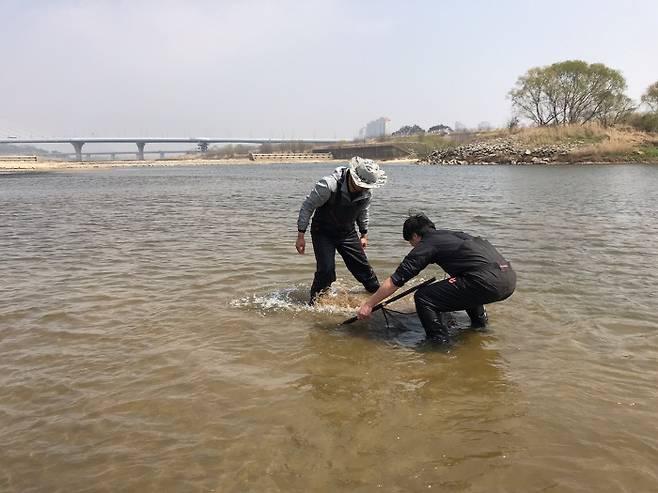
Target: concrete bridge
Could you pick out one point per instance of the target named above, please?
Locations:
(79, 142)
(114, 154)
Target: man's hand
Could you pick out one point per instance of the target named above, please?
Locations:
(364, 241)
(364, 311)
(385, 290)
(300, 244)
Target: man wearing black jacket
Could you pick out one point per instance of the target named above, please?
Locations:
(478, 275)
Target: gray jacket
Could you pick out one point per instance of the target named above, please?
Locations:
(322, 192)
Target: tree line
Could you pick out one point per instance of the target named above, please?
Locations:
(575, 92)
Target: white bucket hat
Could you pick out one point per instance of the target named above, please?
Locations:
(366, 173)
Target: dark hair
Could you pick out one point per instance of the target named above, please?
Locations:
(416, 223)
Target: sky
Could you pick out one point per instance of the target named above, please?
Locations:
(295, 68)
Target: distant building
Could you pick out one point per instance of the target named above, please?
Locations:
(374, 129)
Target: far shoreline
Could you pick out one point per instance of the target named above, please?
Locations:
(8, 166)
(43, 166)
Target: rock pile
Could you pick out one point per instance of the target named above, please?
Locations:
(499, 151)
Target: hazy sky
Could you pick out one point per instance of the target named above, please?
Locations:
(295, 69)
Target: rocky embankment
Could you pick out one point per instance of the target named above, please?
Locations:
(501, 151)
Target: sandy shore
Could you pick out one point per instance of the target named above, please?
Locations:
(44, 166)
(105, 164)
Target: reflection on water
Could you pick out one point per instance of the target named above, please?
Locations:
(154, 335)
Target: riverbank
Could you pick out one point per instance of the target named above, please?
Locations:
(575, 144)
(22, 166)
(553, 145)
(85, 165)
(46, 166)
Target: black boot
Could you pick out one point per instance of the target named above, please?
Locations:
(321, 282)
(478, 316)
(436, 324)
(438, 335)
(441, 329)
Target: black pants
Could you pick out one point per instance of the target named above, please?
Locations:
(469, 292)
(349, 247)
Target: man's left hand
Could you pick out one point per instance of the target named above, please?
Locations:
(364, 241)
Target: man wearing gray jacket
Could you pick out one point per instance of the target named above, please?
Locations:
(337, 203)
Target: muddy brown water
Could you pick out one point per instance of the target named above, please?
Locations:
(154, 336)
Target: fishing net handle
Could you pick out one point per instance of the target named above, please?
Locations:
(381, 305)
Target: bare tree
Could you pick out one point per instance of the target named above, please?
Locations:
(571, 92)
(650, 98)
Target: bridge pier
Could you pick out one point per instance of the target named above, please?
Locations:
(162, 155)
(113, 156)
(78, 150)
(140, 150)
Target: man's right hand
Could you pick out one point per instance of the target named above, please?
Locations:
(365, 311)
(300, 244)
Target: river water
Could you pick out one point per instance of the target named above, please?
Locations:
(154, 336)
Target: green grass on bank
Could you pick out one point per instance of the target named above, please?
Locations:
(423, 145)
(650, 151)
(588, 142)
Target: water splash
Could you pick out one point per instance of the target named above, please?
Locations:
(340, 299)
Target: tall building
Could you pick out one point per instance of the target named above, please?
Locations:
(374, 129)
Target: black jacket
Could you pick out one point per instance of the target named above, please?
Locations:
(457, 253)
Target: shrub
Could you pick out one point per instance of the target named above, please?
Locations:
(646, 122)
